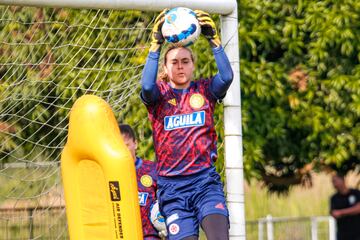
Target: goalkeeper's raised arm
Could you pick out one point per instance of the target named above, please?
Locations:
(220, 82)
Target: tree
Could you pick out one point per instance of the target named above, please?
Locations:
(300, 88)
(299, 81)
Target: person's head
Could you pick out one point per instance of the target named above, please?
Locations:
(129, 137)
(178, 67)
(338, 182)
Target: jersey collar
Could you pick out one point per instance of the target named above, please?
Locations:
(186, 90)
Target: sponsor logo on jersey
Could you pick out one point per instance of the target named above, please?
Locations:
(184, 120)
(220, 206)
(197, 101)
(143, 196)
(146, 180)
(172, 101)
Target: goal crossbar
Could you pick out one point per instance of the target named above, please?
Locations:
(212, 6)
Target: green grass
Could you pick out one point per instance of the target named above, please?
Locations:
(300, 202)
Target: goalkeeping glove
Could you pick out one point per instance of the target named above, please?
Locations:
(157, 220)
(157, 38)
(208, 28)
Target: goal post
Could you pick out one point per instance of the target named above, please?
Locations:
(232, 103)
(233, 131)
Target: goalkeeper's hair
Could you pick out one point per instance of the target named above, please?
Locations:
(127, 130)
(162, 75)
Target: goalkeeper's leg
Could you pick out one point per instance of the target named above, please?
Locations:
(191, 238)
(216, 227)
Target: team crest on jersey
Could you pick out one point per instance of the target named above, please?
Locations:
(146, 180)
(197, 101)
(172, 101)
(143, 196)
(174, 229)
(184, 120)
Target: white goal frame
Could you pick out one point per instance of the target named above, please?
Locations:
(232, 102)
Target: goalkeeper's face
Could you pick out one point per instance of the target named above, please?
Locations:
(179, 67)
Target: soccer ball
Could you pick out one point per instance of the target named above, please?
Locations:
(181, 26)
(156, 218)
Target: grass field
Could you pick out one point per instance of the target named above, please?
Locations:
(298, 203)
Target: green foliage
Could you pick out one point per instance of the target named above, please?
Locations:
(300, 87)
(50, 57)
(299, 81)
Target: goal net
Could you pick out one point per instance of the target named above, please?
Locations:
(50, 57)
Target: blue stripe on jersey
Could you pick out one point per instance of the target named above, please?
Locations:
(184, 120)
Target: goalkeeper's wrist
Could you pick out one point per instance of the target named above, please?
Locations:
(155, 47)
(215, 42)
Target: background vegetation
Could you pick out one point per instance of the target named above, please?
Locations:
(300, 91)
(300, 88)
(299, 82)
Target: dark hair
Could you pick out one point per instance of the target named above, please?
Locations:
(162, 75)
(127, 130)
(340, 175)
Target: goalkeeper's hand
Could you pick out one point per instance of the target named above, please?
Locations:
(157, 39)
(208, 28)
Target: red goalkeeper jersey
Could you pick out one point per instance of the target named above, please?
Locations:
(146, 180)
(183, 128)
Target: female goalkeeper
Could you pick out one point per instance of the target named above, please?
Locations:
(181, 112)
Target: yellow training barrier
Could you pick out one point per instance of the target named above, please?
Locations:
(99, 176)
